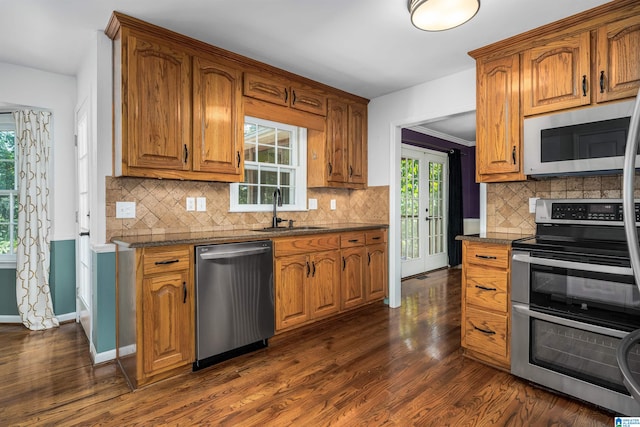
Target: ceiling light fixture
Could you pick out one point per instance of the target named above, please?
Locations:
(440, 15)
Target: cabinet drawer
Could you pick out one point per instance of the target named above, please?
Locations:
(487, 254)
(486, 332)
(165, 258)
(305, 244)
(351, 239)
(487, 287)
(375, 236)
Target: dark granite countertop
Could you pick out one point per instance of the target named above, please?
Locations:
(491, 237)
(226, 236)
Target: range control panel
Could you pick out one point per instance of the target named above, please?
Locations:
(590, 211)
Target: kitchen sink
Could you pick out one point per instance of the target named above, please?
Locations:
(295, 228)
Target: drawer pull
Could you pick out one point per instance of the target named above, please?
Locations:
(169, 261)
(376, 238)
(353, 240)
(484, 288)
(484, 331)
(486, 256)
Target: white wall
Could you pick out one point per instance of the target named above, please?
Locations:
(387, 116)
(28, 87)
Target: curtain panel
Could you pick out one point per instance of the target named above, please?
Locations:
(33, 140)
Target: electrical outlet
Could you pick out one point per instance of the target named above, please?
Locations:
(201, 204)
(125, 209)
(333, 204)
(532, 204)
(191, 204)
(313, 204)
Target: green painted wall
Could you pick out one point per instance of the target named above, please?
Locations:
(62, 281)
(62, 276)
(8, 304)
(103, 283)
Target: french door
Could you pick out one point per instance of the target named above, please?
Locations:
(83, 249)
(423, 210)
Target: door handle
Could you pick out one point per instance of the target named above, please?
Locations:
(427, 219)
(84, 233)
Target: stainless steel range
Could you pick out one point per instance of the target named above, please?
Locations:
(574, 298)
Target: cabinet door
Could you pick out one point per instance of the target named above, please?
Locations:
(167, 326)
(353, 277)
(376, 271)
(618, 60)
(325, 283)
(357, 143)
(217, 117)
(337, 122)
(292, 288)
(307, 100)
(557, 75)
(158, 105)
(498, 142)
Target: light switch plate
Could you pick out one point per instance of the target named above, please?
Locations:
(333, 204)
(313, 204)
(532, 204)
(125, 209)
(201, 204)
(191, 204)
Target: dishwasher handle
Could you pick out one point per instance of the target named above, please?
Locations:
(233, 254)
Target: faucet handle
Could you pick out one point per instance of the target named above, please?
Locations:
(291, 221)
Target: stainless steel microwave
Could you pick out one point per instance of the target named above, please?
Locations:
(587, 141)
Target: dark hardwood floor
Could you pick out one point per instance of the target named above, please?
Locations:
(376, 366)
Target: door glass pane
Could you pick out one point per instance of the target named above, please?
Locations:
(436, 208)
(409, 208)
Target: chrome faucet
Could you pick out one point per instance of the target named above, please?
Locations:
(277, 201)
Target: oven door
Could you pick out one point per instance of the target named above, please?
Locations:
(572, 357)
(600, 291)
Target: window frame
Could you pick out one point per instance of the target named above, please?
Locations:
(8, 261)
(299, 152)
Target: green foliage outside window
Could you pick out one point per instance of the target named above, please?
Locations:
(8, 196)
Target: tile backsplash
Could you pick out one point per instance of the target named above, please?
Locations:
(508, 203)
(160, 207)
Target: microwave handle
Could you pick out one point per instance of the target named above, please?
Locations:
(596, 268)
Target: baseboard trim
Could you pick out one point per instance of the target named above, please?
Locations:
(105, 356)
(10, 319)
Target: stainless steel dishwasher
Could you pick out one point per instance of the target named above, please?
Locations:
(234, 300)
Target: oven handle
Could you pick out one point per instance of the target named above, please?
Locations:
(526, 311)
(596, 268)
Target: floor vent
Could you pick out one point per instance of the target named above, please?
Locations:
(421, 277)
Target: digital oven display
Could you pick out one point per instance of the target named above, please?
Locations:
(602, 209)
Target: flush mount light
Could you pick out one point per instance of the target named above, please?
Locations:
(439, 15)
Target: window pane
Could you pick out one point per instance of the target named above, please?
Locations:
(268, 177)
(4, 209)
(251, 176)
(266, 136)
(266, 154)
(7, 175)
(250, 131)
(284, 138)
(249, 152)
(288, 195)
(286, 177)
(284, 156)
(266, 195)
(247, 194)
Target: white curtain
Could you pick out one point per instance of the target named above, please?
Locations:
(33, 138)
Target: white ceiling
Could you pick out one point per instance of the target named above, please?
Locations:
(366, 47)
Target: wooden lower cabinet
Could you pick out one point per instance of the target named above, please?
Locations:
(486, 313)
(156, 316)
(321, 275)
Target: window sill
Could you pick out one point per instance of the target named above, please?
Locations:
(8, 264)
(268, 209)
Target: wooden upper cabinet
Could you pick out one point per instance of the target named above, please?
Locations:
(618, 60)
(158, 104)
(498, 142)
(556, 76)
(337, 127)
(285, 93)
(217, 117)
(178, 113)
(357, 125)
